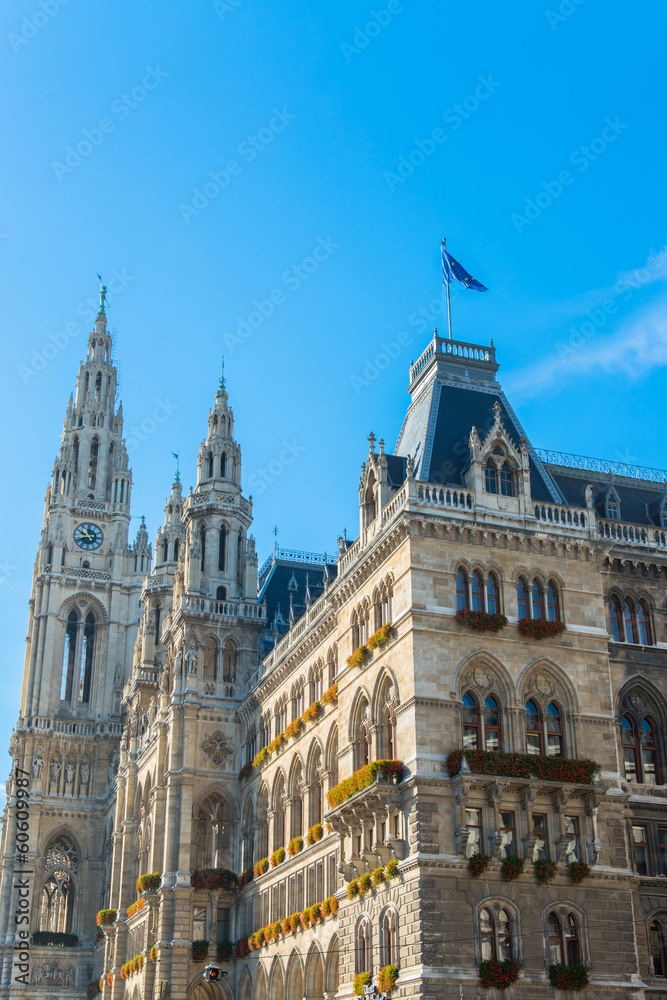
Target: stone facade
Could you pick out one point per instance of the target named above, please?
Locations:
(499, 602)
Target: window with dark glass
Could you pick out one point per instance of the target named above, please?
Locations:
(657, 943)
(563, 940)
(474, 826)
(536, 600)
(522, 598)
(541, 848)
(461, 591)
(552, 603)
(495, 934)
(471, 726)
(640, 848)
(477, 590)
(487, 937)
(649, 753)
(490, 479)
(643, 626)
(640, 752)
(505, 478)
(630, 750)
(492, 596)
(507, 838)
(534, 744)
(629, 622)
(572, 848)
(616, 620)
(492, 732)
(554, 721)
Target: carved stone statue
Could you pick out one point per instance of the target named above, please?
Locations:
(588, 493)
(69, 773)
(37, 766)
(191, 660)
(84, 774)
(112, 770)
(54, 771)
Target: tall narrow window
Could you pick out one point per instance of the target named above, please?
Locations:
(505, 478)
(98, 387)
(229, 668)
(640, 847)
(223, 465)
(209, 466)
(471, 727)
(522, 597)
(492, 596)
(504, 936)
(165, 551)
(364, 947)
(554, 722)
(222, 548)
(629, 622)
(477, 590)
(389, 939)
(461, 591)
(69, 658)
(541, 848)
(649, 753)
(657, 942)
(507, 836)
(630, 750)
(487, 937)
(202, 543)
(490, 479)
(552, 603)
(176, 548)
(555, 940)
(87, 651)
(536, 600)
(616, 620)
(492, 737)
(534, 744)
(662, 846)
(158, 622)
(92, 463)
(475, 844)
(643, 624)
(75, 454)
(572, 848)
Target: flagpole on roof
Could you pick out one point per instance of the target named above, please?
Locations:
(449, 304)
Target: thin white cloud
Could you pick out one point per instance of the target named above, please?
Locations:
(637, 348)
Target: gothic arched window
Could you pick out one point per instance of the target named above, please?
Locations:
(640, 752)
(222, 548)
(490, 478)
(492, 595)
(176, 548)
(505, 480)
(87, 654)
(522, 597)
(657, 944)
(209, 466)
(534, 737)
(389, 937)
(223, 465)
(495, 934)
(212, 833)
(461, 591)
(158, 622)
(58, 887)
(211, 659)
(616, 619)
(477, 591)
(229, 662)
(552, 603)
(643, 625)
(563, 939)
(69, 657)
(92, 462)
(363, 950)
(481, 730)
(202, 544)
(536, 600)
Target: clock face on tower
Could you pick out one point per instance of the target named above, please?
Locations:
(88, 537)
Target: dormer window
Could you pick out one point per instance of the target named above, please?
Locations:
(490, 479)
(505, 481)
(612, 506)
(497, 475)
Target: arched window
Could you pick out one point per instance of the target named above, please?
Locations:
(370, 510)
(461, 591)
(279, 816)
(552, 603)
(534, 740)
(537, 608)
(69, 657)
(629, 622)
(176, 548)
(490, 479)
(222, 548)
(522, 597)
(554, 721)
(315, 790)
(87, 653)
(495, 934)
(616, 619)
(563, 939)
(657, 944)
(389, 733)
(202, 544)
(221, 594)
(223, 465)
(297, 804)
(363, 956)
(58, 887)
(389, 938)
(643, 625)
(211, 659)
(492, 595)
(212, 833)
(262, 824)
(92, 462)
(229, 663)
(477, 591)
(363, 734)
(640, 752)
(505, 479)
(209, 466)
(481, 730)
(165, 550)
(158, 622)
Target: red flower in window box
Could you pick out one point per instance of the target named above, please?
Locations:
(521, 765)
(330, 696)
(498, 975)
(312, 712)
(478, 863)
(294, 728)
(545, 870)
(578, 870)
(540, 628)
(278, 857)
(199, 951)
(568, 977)
(353, 888)
(511, 867)
(315, 833)
(481, 621)
(357, 658)
(387, 976)
(295, 846)
(261, 867)
(246, 770)
(360, 980)
(391, 869)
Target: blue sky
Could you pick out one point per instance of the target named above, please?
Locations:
(198, 155)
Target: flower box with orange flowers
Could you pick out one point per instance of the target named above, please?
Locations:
(330, 696)
(359, 656)
(390, 770)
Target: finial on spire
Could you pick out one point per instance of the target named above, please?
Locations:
(177, 477)
(222, 375)
(103, 294)
(371, 443)
(275, 537)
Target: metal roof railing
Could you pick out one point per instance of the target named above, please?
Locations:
(601, 465)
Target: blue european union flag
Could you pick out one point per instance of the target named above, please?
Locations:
(452, 269)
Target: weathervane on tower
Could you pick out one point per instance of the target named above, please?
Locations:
(177, 477)
(222, 375)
